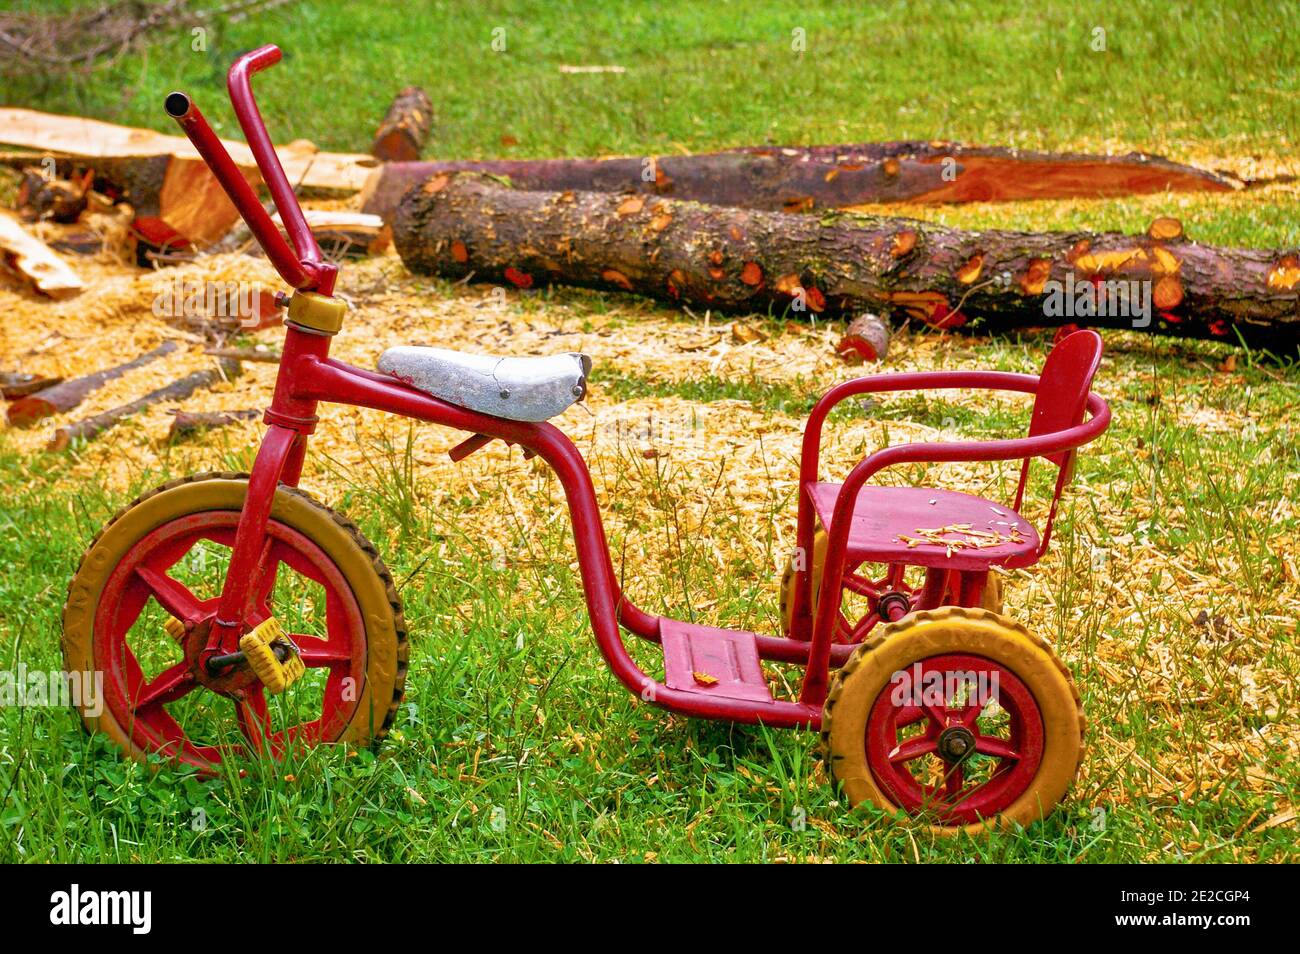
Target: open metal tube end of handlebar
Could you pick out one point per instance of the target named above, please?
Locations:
(177, 105)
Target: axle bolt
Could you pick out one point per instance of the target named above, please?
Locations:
(955, 743)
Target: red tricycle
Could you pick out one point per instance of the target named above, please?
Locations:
(930, 702)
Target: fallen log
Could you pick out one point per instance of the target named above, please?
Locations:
(839, 264)
(176, 391)
(35, 262)
(16, 384)
(405, 128)
(65, 396)
(825, 177)
(245, 354)
(187, 423)
(1001, 174)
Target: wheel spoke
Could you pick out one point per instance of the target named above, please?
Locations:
(863, 587)
(997, 748)
(938, 714)
(174, 597)
(909, 715)
(317, 652)
(168, 686)
(954, 781)
(969, 714)
(864, 626)
(911, 749)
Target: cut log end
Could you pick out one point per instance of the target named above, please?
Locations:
(865, 340)
(1165, 229)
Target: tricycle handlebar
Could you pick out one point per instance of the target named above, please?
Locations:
(300, 266)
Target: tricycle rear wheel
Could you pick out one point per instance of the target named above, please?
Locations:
(962, 762)
(854, 628)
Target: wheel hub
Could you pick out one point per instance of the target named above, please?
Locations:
(229, 681)
(955, 743)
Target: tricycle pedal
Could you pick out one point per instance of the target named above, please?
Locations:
(263, 647)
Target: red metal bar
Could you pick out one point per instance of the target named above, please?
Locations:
(238, 83)
(302, 266)
(330, 380)
(972, 587)
(250, 537)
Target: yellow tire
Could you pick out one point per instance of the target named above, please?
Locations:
(985, 773)
(992, 600)
(789, 580)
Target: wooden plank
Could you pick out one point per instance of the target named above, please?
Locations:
(35, 261)
(78, 136)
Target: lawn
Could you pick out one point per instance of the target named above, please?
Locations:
(1172, 590)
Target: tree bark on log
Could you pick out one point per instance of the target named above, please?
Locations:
(405, 128)
(458, 225)
(245, 354)
(809, 178)
(1000, 174)
(43, 197)
(176, 391)
(68, 394)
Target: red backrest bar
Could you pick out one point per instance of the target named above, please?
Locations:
(1063, 386)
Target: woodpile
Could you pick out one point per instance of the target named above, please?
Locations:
(175, 391)
(66, 395)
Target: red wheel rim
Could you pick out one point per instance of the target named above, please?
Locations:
(997, 722)
(848, 631)
(138, 694)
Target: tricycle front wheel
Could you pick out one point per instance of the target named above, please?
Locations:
(146, 591)
(958, 717)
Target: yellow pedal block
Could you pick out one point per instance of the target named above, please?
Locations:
(258, 646)
(175, 628)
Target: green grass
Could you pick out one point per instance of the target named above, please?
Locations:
(515, 743)
(725, 73)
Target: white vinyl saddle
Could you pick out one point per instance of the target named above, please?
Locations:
(521, 389)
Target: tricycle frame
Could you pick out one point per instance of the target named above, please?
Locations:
(308, 376)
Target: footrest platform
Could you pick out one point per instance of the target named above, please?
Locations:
(713, 662)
